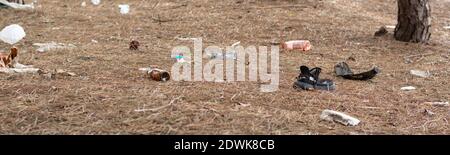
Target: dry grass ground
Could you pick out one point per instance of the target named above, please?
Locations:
(103, 97)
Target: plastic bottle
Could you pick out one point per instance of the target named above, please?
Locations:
(303, 45)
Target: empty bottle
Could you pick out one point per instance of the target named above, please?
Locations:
(159, 75)
(303, 45)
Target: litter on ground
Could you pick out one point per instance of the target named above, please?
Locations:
(303, 45)
(419, 73)
(310, 80)
(9, 64)
(95, 2)
(339, 117)
(12, 34)
(156, 73)
(124, 9)
(16, 5)
(45, 47)
(438, 104)
(408, 88)
(342, 69)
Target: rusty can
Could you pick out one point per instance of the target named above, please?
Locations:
(159, 75)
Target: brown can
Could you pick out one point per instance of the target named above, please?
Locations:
(159, 75)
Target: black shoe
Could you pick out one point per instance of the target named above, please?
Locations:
(342, 69)
(309, 80)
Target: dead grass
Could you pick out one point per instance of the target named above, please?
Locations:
(108, 90)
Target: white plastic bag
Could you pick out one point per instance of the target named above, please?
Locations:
(124, 9)
(12, 34)
(95, 2)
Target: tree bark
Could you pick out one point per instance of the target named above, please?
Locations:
(414, 21)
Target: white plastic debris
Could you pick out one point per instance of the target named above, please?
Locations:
(438, 104)
(83, 4)
(419, 73)
(44, 47)
(447, 27)
(94, 41)
(148, 69)
(12, 34)
(408, 88)
(64, 73)
(17, 5)
(390, 26)
(19, 68)
(124, 8)
(428, 112)
(95, 2)
(334, 116)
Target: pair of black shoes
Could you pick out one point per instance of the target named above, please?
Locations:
(309, 80)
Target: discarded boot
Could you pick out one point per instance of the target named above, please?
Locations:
(342, 69)
(309, 80)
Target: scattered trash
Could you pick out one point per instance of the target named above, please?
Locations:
(419, 73)
(309, 80)
(12, 34)
(16, 5)
(228, 54)
(64, 73)
(44, 47)
(342, 69)
(124, 9)
(7, 60)
(408, 88)
(334, 116)
(428, 112)
(94, 41)
(438, 104)
(134, 45)
(83, 4)
(381, 32)
(447, 27)
(303, 45)
(53, 74)
(95, 2)
(27, 69)
(390, 27)
(9, 65)
(156, 74)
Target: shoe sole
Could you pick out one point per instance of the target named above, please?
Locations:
(307, 86)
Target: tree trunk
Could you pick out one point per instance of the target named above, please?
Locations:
(414, 21)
